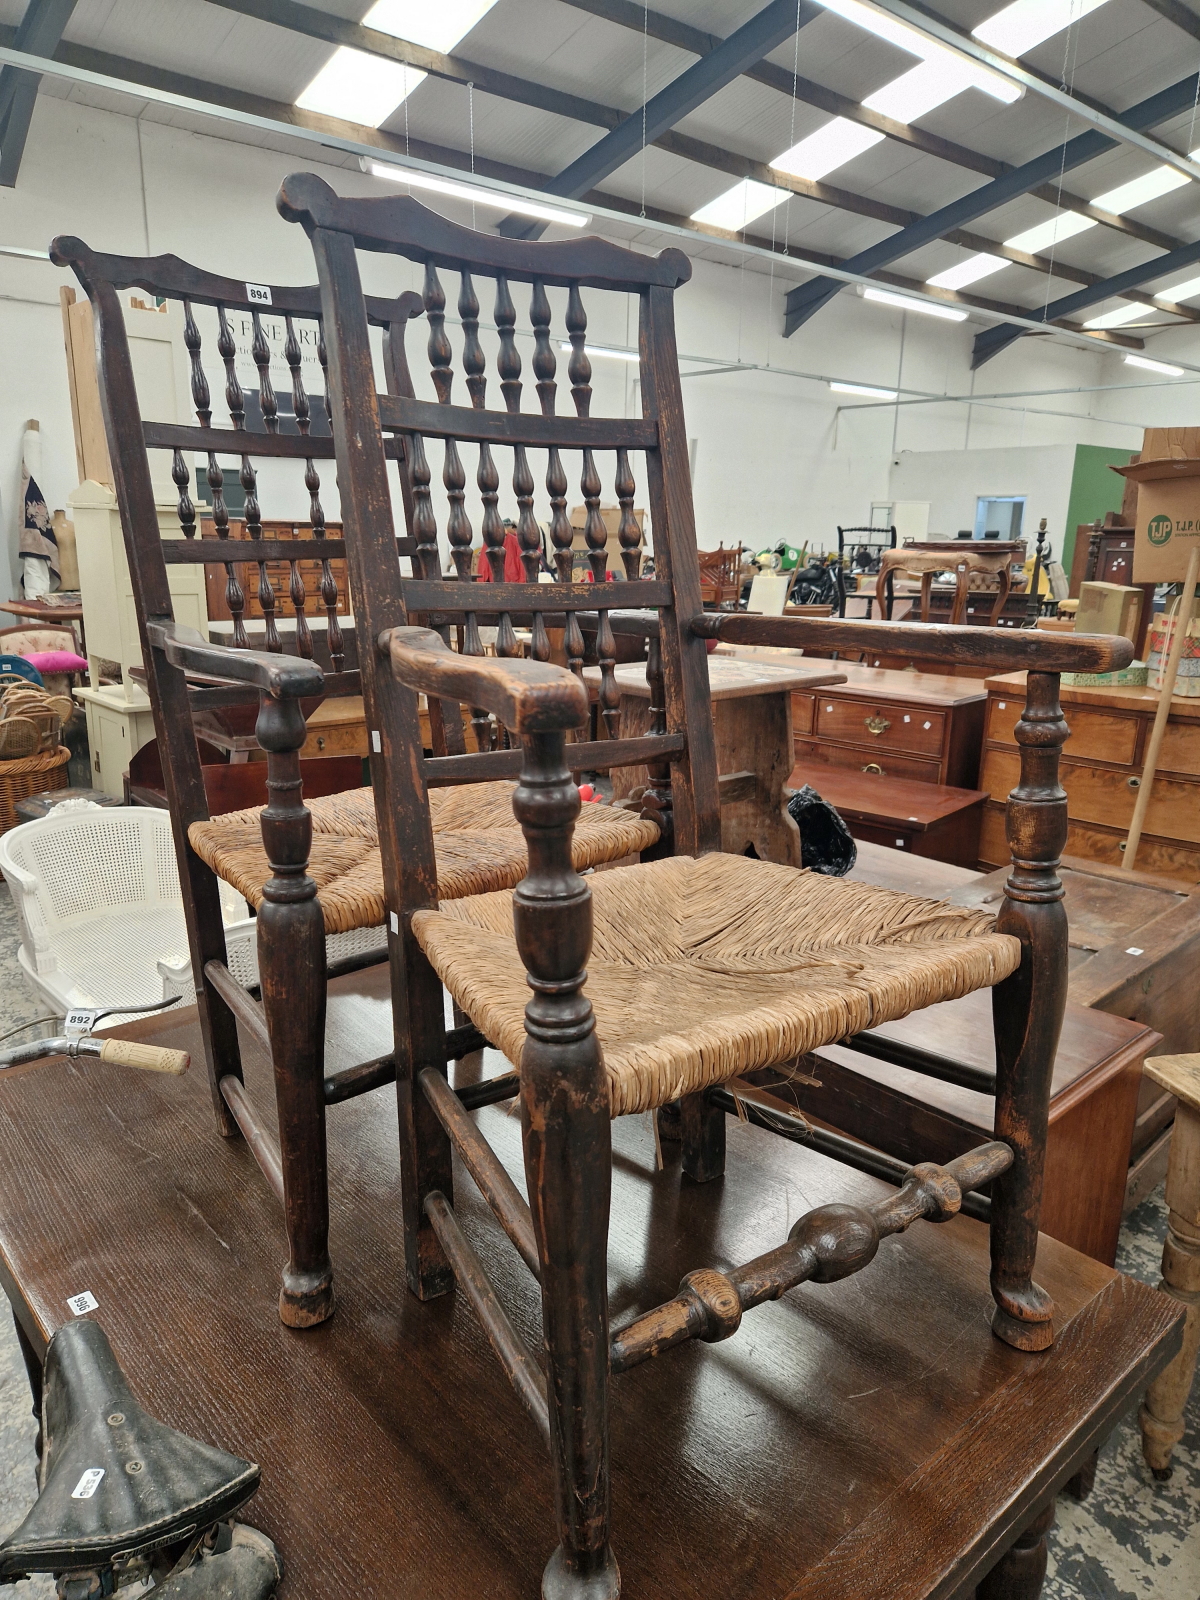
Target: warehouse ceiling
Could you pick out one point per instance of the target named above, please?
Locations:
(878, 138)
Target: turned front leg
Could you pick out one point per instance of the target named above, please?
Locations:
(568, 1166)
(1027, 1013)
(1166, 1400)
(1020, 1574)
(291, 965)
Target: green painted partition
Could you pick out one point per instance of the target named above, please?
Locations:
(1095, 490)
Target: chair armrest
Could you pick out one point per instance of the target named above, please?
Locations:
(527, 696)
(282, 677)
(992, 649)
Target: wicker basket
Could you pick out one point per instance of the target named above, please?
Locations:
(30, 775)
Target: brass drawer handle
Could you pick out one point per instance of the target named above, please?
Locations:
(873, 766)
(876, 724)
(320, 742)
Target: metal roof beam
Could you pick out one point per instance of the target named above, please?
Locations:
(805, 301)
(330, 29)
(737, 166)
(993, 340)
(249, 112)
(38, 32)
(1179, 14)
(942, 32)
(773, 25)
(626, 14)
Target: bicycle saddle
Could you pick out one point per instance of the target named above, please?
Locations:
(113, 1481)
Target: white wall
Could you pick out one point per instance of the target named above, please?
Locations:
(776, 456)
(951, 480)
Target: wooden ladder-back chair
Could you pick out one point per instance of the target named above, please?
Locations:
(667, 980)
(258, 850)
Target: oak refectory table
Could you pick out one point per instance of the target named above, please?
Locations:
(879, 1445)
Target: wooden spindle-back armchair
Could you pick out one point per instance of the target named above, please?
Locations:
(262, 851)
(666, 981)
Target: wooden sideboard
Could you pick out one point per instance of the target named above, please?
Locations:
(1101, 768)
(921, 725)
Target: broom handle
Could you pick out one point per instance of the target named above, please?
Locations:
(1183, 618)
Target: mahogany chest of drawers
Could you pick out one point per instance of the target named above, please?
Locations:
(1101, 768)
(895, 724)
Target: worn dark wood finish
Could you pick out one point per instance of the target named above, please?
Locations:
(290, 931)
(1028, 1010)
(1135, 942)
(827, 636)
(566, 1126)
(875, 1091)
(592, 755)
(826, 1244)
(910, 1494)
(291, 944)
(263, 1147)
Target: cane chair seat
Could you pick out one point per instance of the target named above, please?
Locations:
(704, 969)
(478, 846)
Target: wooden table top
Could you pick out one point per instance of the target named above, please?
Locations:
(731, 678)
(42, 613)
(855, 1441)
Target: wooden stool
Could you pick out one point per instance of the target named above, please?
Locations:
(963, 557)
(1167, 1397)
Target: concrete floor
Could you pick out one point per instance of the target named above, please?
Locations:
(1132, 1539)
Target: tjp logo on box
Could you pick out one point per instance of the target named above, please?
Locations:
(1158, 530)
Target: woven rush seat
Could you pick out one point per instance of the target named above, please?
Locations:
(705, 969)
(478, 844)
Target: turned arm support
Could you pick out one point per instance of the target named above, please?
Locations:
(526, 696)
(993, 649)
(282, 677)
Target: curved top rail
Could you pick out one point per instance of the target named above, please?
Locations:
(171, 276)
(400, 224)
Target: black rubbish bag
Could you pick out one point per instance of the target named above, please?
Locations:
(825, 842)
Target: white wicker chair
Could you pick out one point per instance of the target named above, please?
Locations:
(100, 912)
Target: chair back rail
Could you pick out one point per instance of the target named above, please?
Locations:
(605, 447)
(272, 568)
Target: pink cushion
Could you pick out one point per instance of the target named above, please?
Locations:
(57, 661)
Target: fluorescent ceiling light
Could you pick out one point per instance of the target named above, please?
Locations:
(1180, 291)
(882, 26)
(1139, 190)
(832, 146)
(886, 298)
(437, 27)
(482, 197)
(918, 44)
(20, 250)
(1164, 367)
(744, 203)
(969, 271)
(925, 87)
(362, 88)
(863, 388)
(1026, 23)
(1119, 317)
(1064, 226)
(604, 350)
(359, 88)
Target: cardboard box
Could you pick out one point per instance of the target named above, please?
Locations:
(1167, 523)
(1109, 608)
